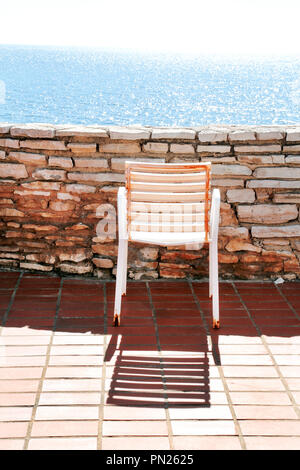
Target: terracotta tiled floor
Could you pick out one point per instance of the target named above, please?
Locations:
(163, 380)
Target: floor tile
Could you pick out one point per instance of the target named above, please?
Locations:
(165, 379)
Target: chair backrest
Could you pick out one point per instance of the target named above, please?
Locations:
(168, 197)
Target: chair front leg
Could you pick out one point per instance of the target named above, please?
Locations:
(124, 283)
(210, 269)
(214, 282)
(119, 282)
(213, 257)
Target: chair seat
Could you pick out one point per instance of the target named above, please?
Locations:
(167, 238)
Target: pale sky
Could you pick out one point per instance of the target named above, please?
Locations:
(185, 26)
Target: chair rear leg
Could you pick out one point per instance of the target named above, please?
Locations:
(124, 284)
(215, 286)
(119, 283)
(210, 269)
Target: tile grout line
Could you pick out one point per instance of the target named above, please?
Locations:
(12, 298)
(293, 401)
(283, 381)
(41, 380)
(287, 301)
(168, 419)
(103, 378)
(220, 369)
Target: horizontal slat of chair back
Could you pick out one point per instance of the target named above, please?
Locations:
(186, 208)
(199, 176)
(140, 196)
(168, 197)
(167, 187)
(167, 167)
(168, 222)
(146, 217)
(171, 227)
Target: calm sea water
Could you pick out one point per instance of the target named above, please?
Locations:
(86, 86)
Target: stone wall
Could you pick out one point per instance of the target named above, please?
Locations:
(53, 179)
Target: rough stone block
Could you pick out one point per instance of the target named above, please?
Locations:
(97, 177)
(257, 149)
(291, 266)
(61, 162)
(269, 134)
(35, 267)
(286, 198)
(13, 170)
(155, 147)
(40, 228)
(80, 188)
(241, 136)
(6, 201)
(9, 143)
(28, 158)
(76, 257)
(42, 185)
(293, 135)
(83, 268)
(215, 149)
(32, 193)
(9, 212)
(273, 184)
(36, 131)
(182, 148)
(281, 173)
(149, 253)
(43, 144)
(228, 183)
(91, 163)
(105, 249)
(267, 213)
(240, 195)
(67, 197)
(118, 163)
(4, 127)
(292, 159)
(234, 232)
(173, 133)
(172, 270)
(227, 215)
(231, 170)
(258, 159)
(240, 245)
(80, 131)
(45, 174)
(122, 148)
(61, 206)
(218, 159)
(82, 148)
(77, 227)
(211, 136)
(127, 133)
(103, 263)
(225, 258)
(41, 258)
(291, 149)
(260, 231)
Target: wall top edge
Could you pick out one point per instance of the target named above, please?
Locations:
(148, 127)
(212, 132)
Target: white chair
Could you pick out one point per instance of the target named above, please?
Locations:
(168, 204)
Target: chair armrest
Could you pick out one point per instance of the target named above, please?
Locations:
(215, 214)
(122, 213)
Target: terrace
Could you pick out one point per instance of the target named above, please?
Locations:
(163, 380)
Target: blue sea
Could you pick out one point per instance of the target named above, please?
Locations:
(108, 87)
